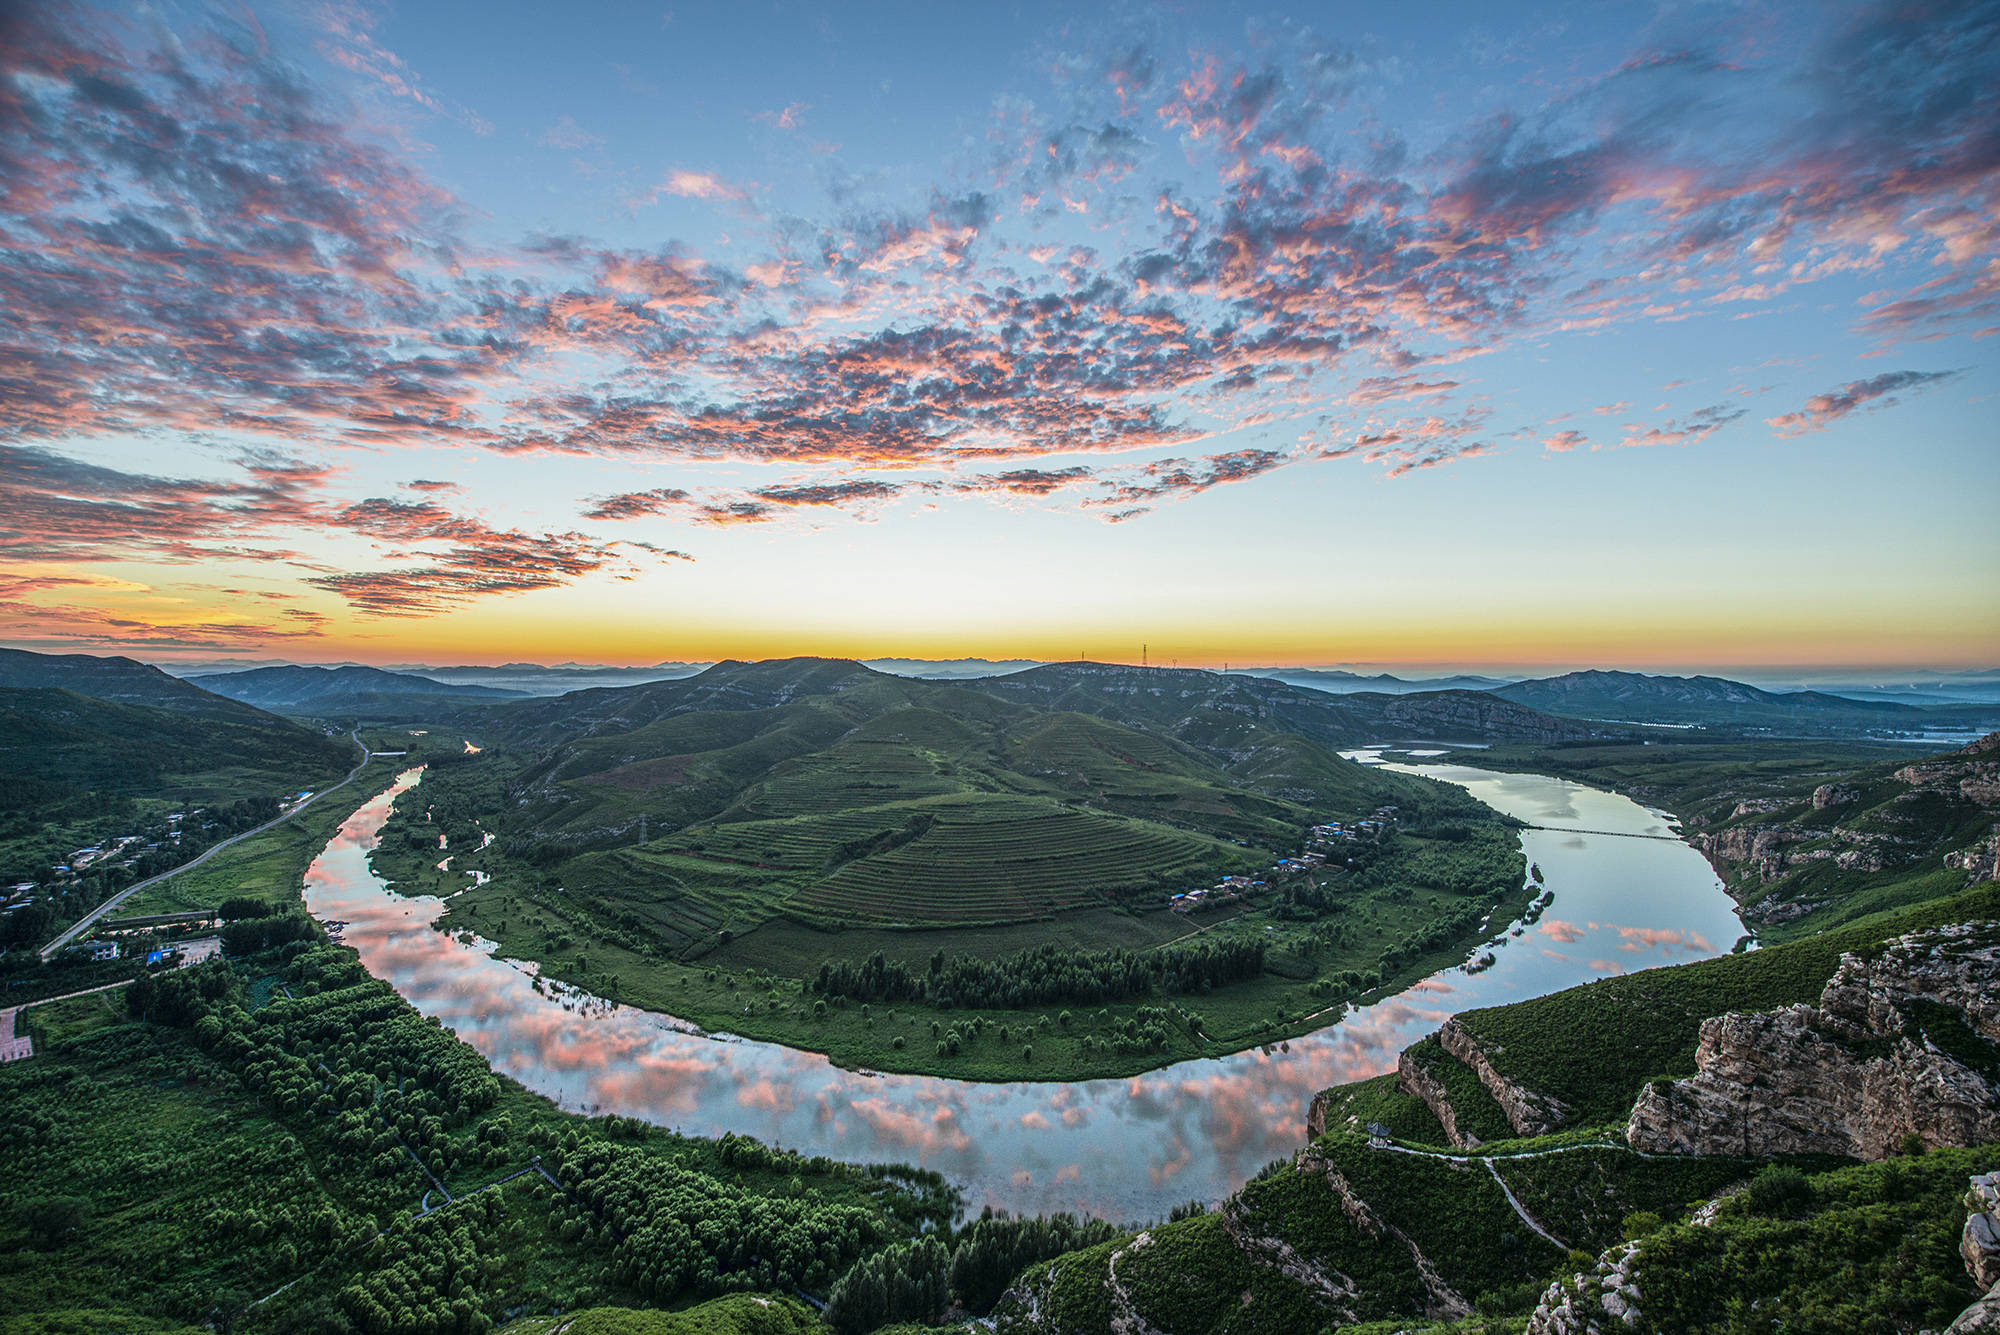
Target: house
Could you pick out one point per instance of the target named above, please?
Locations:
(100, 950)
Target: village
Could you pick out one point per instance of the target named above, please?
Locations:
(96, 871)
(1324, 847)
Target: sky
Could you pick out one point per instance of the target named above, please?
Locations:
(1482, 335)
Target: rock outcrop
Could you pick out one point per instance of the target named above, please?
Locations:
(1419, 1081)
(1904, 1042)
(1833, 795)
(1981, 862)
(1591, 1303)
(1982, 1318)
(1980, 1246)
(1980, 1243)
(1529, 1113)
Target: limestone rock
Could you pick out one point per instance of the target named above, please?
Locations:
(1982, 1318)
(1854, 1075)
(1419, 1081)
(1980, 862)
(1980, 1243)
(1601, 1303)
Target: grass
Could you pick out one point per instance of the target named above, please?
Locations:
(1474, 1109)
(1872, 1250)
(1216, 1272)
(1354, 1107)
(1594, 1046)
(755, 984)
(270, 865)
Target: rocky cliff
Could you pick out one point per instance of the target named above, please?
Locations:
(1938, 810)
(1904, 1041)
(1420, 1082)
(1529, 1113)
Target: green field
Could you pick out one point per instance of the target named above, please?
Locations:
(806, 813)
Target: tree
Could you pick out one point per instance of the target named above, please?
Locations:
(51, 1219)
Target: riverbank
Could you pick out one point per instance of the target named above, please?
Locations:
(1371, 941)
(1126, 1148)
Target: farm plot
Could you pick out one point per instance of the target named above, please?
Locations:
(854, 774)
(1009, 860)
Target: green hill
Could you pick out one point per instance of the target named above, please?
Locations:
(118, 680)
(777, 817)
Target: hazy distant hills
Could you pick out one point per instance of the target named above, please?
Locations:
(120, 680)
(341, 690)
(949, 669)
(537, 679)
(1715, 702)
(1343, 682)
(75, 729)
(1230, 713)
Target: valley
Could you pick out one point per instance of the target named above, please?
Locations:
(1065, 1047)
(835, 816)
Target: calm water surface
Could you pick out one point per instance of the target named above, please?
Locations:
(1125, 1149)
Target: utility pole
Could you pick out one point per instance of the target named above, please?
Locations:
(642, 829)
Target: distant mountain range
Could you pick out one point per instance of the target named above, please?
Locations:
(120, 680)
(949, 669)
(1440, 707)
(341, 690)
(1716, 702)
(1342, 682)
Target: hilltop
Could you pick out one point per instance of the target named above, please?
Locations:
(1716, 702)
(119, 680)
(340, 690)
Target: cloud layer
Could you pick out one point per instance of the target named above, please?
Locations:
(1184, 271)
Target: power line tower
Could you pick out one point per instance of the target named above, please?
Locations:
(642, 829)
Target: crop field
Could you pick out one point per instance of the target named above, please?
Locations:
(1003, 860)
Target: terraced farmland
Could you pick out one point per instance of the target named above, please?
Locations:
(1009, 860)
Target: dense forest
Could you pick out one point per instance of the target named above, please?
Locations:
(1044, 975)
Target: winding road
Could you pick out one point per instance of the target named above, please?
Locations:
(84, 923)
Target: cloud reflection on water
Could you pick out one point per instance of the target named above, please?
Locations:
(1128, 1148)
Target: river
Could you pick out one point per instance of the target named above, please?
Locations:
(1629, 895)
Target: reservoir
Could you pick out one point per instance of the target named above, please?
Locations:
(1628, 895)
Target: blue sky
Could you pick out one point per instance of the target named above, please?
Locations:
(1653, 336)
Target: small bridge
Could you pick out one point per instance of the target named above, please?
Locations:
(1621, 834)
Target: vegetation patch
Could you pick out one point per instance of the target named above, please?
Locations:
(1595, 1046)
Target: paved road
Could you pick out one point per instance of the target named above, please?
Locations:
(84, 923)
